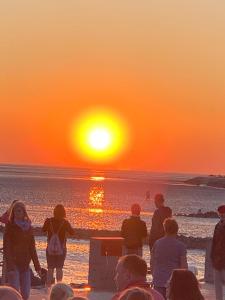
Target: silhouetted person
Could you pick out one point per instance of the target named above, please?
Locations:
(19, 250)
(167, 254)
(56, 228)
(183, 285)
(160, 214)
(133, 231)
(218, 253)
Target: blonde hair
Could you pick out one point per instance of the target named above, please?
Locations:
(61, 291)
(18, 204)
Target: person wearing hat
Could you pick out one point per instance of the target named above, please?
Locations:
(218, 253)
(134, 230)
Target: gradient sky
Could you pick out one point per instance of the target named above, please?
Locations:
(160, 64)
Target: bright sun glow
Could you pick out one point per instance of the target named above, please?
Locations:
(99, 135)
(100, 138)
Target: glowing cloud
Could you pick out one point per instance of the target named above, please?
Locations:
(99, 135)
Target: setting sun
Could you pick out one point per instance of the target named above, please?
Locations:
(99, 135)
(100, 139)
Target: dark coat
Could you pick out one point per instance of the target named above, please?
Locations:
(133, 231)
(157, 230)
(218, 246)
(19, 248)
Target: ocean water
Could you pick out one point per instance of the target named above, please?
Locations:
(97, 199)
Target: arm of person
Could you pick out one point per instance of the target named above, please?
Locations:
(183, 258)
(33, 254)
(153, 231)
(123, 229)
(70, 229)
(7, 249)
(152, 259)
(212, 252)
(145, 231)
(45, 226)
(183, 262)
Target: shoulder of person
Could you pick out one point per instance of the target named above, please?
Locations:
(47, 220)
(181, 244)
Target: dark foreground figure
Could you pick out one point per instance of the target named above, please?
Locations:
(133, 231)
(218, 254)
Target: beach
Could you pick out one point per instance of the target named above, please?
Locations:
(96, 203)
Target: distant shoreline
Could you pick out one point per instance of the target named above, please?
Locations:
(208, 214)
(86, 234)
(217, 181)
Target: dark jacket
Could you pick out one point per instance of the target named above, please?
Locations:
(61, 227)
(133, 231)
(157, 230)
(19, 248)
(218, 246)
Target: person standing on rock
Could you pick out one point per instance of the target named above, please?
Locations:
(218, 253)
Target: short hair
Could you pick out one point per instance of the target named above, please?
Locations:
(184, 285)
(159, 198)
(59, 212)
(170, 226)
(61, 291)
(135, 293)
(7, 292)
(134, 264)
(135, 209)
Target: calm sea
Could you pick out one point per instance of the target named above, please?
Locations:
(102, 199)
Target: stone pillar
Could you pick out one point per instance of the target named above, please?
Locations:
(103, 257)
(208, 277)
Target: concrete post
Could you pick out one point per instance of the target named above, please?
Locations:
(208, 277)
(103, 257)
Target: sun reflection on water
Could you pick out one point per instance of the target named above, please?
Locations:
(96, 195)
(96, 199)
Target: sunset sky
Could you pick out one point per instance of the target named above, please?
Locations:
(159, 65)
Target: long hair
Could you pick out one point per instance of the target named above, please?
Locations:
(59, 212)
(11, 206)
(21, 205)
(184, 285)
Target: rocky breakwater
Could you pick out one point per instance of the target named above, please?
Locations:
(208, 214)
(211, 180)
(86, 234)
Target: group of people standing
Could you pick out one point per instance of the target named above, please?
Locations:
(168, 260)
(166, 252)
(168, 256)
(19, 246)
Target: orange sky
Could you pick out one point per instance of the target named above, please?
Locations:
(160, 64)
